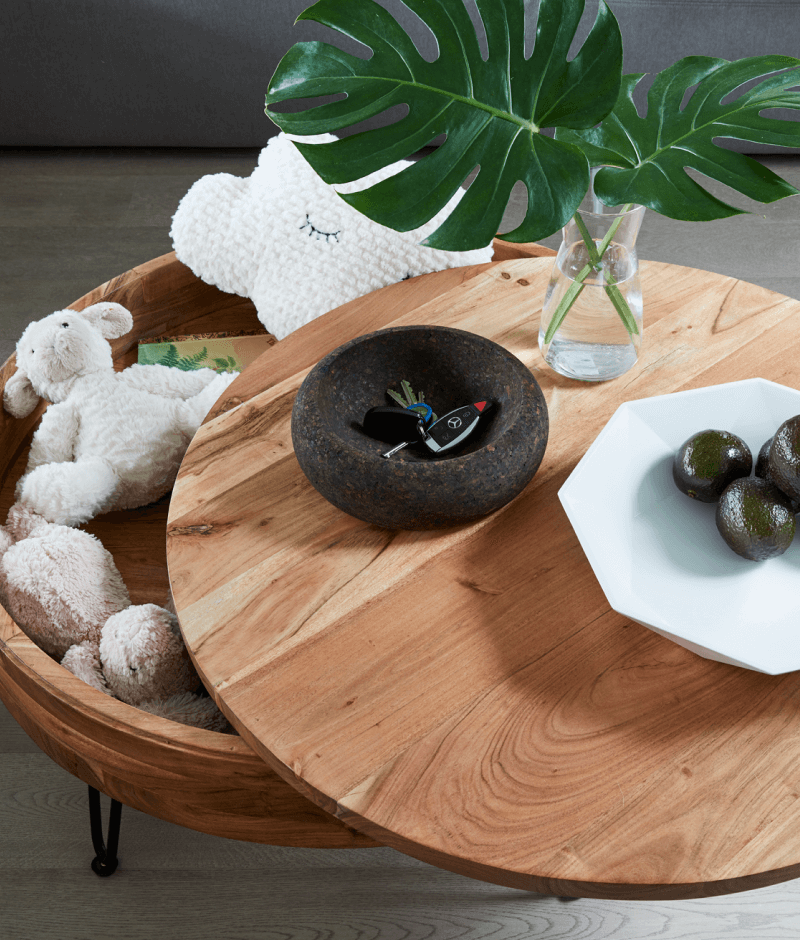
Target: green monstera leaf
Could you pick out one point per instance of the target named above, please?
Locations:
(644, 157)
(492, 111)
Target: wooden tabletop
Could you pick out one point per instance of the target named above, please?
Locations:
(468, 696)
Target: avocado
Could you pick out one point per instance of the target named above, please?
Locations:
(755, 519)
(763, 471)
(708, 462)
(762, 463)
(784, 458)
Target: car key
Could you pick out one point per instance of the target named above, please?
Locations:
(455, 427)
(393, 425)
(449, 431)
(412, 401)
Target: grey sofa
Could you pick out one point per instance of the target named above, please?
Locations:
(193, 73)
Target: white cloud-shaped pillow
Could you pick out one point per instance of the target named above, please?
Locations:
(283, 238)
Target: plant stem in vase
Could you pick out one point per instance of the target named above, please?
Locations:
(591, 325)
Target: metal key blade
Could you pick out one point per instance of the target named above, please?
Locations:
(398, 398)
(394, 450)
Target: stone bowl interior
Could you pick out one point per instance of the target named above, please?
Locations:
(451, 368)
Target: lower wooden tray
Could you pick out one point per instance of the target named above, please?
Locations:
(200, 779)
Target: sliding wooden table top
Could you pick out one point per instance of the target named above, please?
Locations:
(467, 696)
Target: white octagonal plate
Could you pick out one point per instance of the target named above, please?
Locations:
(657, 553)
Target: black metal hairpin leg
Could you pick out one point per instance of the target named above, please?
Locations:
(106, 861)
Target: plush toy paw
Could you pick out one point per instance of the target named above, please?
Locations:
(197, 407)
(83, 661)
(144, 657)
(289, 242)
(19, 396)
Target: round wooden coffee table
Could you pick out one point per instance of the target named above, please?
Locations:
(468, 696)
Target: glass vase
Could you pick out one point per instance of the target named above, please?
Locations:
(591, 326)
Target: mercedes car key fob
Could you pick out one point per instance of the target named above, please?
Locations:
(455, 427)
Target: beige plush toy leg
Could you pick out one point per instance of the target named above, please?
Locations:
(21, 524)
(189, 708)
(69, 493)
(61, 585)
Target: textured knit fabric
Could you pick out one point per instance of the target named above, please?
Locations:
(284, 238)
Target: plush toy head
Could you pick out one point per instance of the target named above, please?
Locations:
(53, 351)
(285, 239)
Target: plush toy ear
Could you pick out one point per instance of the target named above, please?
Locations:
(112, 320)
(19, 397)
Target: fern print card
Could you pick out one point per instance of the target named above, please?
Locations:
(222, 352)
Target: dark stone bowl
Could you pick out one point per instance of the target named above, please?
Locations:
(415, 490)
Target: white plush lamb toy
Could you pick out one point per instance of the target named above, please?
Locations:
(109, 440)
(286, 240)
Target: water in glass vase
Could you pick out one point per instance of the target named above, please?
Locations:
(591, 323)
(593, 342)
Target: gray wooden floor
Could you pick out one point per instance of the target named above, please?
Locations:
(68, 221)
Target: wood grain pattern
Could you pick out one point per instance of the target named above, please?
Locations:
(468, 697)
(211, 782)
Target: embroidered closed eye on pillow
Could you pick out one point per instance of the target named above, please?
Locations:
(283, 238)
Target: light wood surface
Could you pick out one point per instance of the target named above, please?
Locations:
(468, 697)
(206, 781)
(69, 219)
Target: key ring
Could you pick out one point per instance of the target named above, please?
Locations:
(422, 409)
